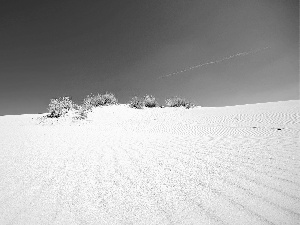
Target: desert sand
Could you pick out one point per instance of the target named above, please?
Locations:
(223, 165)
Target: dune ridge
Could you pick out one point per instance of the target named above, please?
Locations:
(227, 165)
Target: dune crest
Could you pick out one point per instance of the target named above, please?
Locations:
(228, 165)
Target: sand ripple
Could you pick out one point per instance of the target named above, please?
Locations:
(231, 165)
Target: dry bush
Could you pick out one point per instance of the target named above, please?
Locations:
(82, 112)
(109, 99)
(150, 102)
(136, 103)
(179, 102)
(62, 105)
(99, 100)
(59, 106)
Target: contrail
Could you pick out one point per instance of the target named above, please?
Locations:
(214, 62)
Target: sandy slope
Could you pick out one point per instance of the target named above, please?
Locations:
(230, 165)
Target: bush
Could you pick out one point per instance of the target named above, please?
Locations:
(109, 99)
(149, 101)
(59, 106)
(76, 107)
(136, 103)
(99, 100)
(178, 102)
(79, 113)
(88, 102)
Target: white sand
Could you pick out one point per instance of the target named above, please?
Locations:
(153, 166)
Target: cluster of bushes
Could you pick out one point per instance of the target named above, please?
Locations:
(100, 100)
(149, 101)
(60, 106)
(179, 102)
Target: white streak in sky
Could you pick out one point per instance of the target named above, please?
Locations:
(214, 62)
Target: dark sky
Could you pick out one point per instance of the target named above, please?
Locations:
(54, 48)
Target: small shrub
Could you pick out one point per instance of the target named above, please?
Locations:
(88, 102)
(76, 107)
(136, 103)
(82, 111)
(150, 102)
(100, 100)
(59, 106)
(178, 102)
(109, 99)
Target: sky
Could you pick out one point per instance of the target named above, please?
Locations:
(56, 48)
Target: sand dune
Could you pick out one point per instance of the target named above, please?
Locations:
(229, 165)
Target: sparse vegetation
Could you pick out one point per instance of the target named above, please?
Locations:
(82, 112)
(179, 102)
(59, 106)
(136, 103)
(92, 101)
(150, 102)
(100, 100)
